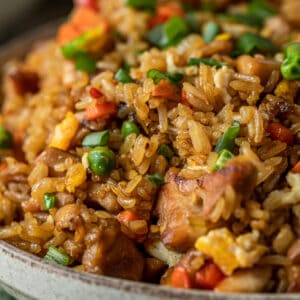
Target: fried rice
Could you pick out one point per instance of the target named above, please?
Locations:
(159, 142)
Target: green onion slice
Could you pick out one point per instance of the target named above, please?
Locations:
(123, 76)
(207, 61)
(224, 156)
(49, 201)
(156, 179)
(227, 141)
(166, 151)
(157, 76)
(210, 31)
(95, 139)
(57, 256)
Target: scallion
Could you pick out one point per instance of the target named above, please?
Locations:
(84, 62)
(169, 33)
(141, 4)
(123, 76)
(95, 139)
(211, 29)
(166, 151)
(6, 138)
(49, 201)
(57, 256)
(156, 179)
(224, 156)
(157, 76)
(207, 61)
(227, 141)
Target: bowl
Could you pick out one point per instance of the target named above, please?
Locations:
(29, 277)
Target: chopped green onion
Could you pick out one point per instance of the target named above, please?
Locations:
(95, 139)
(169, 33)
(6, 139)
(126, 66)
(290, 67)
(207, 61)
(123, 76)
(261, 9)
(74, 48)
(192, 21)
(102, 160)
(166, 151)
(210, 31)
(224, 156)
(129, 127)
(57, 256)
(141, 4)
(157, 76)
(156, 179)
(243, 18)
(49, 201)
(85, 63)
(227, 141)
(251, 43)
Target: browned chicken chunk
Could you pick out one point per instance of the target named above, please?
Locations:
(110, 252)
(185, 206)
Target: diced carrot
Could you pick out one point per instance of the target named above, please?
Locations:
(280, 132)
(127, 216)
(95, 93)
(85, 18)
(296, 168)
(164, 89)
(184, 98)
(100, 110)
(208, 276)
(157, 20)
(170, 10)
(3, 166)
(66, 33)
(180, 278)
(93, 4)
(164, 13)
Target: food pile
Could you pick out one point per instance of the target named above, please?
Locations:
(158, 141)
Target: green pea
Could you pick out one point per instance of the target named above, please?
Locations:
(129, 127)
(290, 67)
(6, 139)
(102, 160)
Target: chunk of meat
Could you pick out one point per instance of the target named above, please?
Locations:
(185, 206)
(154, 269)
(24, 81)
(259, 67)
(246, 281)
(110, 252)
(68, 217)
(53, 156)
(106, 200)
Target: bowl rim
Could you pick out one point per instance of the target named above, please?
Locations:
(13, 50)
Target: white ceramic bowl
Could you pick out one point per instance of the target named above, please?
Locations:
(28, 277)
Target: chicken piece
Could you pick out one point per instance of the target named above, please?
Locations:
(259, 67)
(68, 217)
(53, 156)
(23, 80)
(185, 206)
(110, 252)
(106, 200)
(246, 281)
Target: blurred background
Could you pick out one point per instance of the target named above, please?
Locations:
(19, 16)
